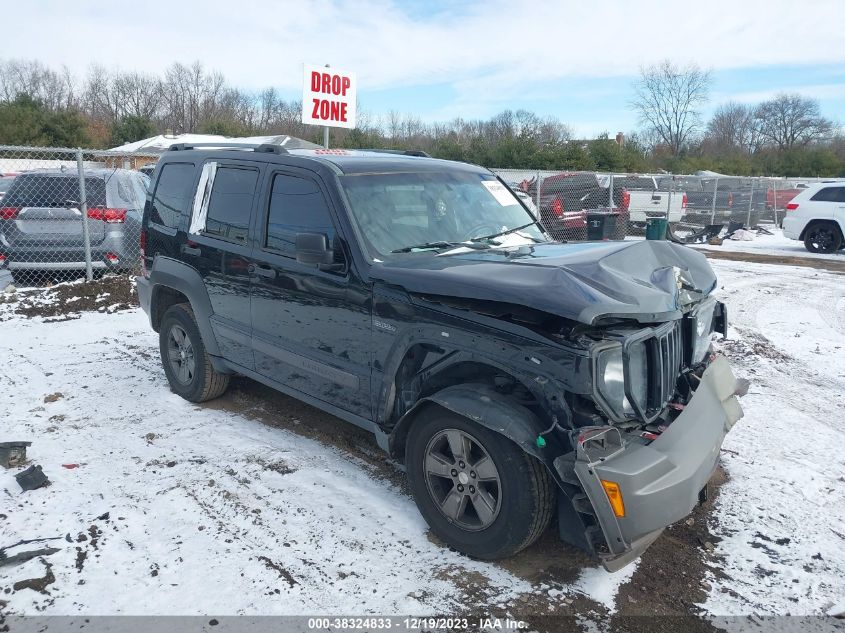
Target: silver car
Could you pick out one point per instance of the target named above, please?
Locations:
(41, 222)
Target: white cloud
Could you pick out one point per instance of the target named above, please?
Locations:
(489, 52)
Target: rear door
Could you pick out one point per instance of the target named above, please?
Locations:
(220, 250)
(44, 211)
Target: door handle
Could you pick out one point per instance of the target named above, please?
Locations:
(263, 271)
(190, 250)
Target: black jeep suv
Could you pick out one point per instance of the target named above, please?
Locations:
(513, 376)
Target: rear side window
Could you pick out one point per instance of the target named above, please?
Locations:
(296, 206)
(126, 191)
(172, 194)
(32, 190)
(230, 203)
(830, 194)
(637, 184)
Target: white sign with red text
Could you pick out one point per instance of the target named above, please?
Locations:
(328, 96)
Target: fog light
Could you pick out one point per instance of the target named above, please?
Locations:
(614, 495)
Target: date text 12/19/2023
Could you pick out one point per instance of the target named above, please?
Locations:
(425, 623)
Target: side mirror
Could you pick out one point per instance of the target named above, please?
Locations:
(313, 249)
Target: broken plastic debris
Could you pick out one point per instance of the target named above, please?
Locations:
(32, 478)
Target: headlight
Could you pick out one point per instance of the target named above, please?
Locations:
(611, 377)
(702, 326)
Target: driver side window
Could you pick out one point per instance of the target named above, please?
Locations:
(297, 205)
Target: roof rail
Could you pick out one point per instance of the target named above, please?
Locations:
(262, 147)
(403, 152)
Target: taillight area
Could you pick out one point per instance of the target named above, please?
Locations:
(112, 216)
(684, 201)
(730, 200)
(9, 213)
(143, 245)
(557, 207)
(626, 199)
(791, 206)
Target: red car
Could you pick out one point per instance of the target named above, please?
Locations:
(577, 206)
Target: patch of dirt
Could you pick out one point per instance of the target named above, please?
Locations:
(283, 573)
(280, 467)
(751, 344)
(37, 584)
(830, 265)
(81, 555)
(110, 293)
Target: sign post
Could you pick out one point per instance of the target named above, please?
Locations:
(329, 98)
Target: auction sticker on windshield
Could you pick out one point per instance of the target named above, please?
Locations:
(499, 192)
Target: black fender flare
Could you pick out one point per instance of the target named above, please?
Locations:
(482, 404)
(171, 273)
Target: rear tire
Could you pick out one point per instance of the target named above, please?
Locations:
(186, 363)
(823, 237)
(513, 512)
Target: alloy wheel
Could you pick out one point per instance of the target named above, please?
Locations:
(822, 239)
(462, 479)
(180, 354)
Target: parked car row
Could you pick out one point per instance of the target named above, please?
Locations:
(579, 205)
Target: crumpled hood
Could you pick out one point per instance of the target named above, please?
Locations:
(582, 282)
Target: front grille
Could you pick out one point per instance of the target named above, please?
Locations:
(666, 351)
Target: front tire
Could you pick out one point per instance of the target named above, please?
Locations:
(823, 237)
(186, 363)
(478, 491)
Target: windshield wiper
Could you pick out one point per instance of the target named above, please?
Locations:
(440, 244)
(514, 230)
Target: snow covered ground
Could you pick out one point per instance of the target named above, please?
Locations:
(782, 513)
(174, 508)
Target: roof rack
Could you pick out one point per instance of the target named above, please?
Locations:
(402, 152)
(262, 147)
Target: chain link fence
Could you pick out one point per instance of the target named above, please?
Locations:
(67, 214)
(575, 205)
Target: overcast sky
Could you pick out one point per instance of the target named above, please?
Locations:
(575, 60)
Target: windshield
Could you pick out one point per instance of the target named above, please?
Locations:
(398, 210)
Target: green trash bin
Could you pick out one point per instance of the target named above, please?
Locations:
(655, 228)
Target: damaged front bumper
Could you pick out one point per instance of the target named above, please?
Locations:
(659, 482)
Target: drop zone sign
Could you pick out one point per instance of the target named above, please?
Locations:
(328, 96)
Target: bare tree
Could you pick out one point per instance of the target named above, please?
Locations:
(734, 127)
(54, 89)
(668, 101)
(138, 95)
(791, 120)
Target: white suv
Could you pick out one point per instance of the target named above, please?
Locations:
(817, 216)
